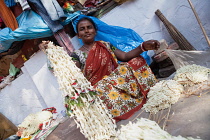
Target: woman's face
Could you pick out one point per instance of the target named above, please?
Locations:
(86, 31)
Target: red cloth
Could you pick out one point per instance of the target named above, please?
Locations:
(104, 63)
(1, 78)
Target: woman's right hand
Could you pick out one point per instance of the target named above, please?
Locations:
(151, 45)
(43, 46)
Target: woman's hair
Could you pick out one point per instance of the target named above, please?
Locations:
(86, 18)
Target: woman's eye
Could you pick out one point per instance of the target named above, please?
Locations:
(81, 29)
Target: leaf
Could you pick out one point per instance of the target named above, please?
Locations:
(13, 70)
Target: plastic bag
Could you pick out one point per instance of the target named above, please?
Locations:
(13, 70)
(182, 58)
(31, 26)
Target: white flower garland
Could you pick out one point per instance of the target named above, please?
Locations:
(167, 92)
(191, 74)
(145, 129)
(162, 95)
(93, 118)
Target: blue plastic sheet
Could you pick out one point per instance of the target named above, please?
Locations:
(124, 39)
(31, 26)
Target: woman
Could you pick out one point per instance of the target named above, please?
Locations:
(123, 87)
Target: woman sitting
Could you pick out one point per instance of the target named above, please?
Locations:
(122, 87)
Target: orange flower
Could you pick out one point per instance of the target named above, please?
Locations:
(125, 96)
(121, 80)
(113, 95)
(134, 86)
(115, 112)
(139, 100)
(145, 74)
(123, 70)
(137, 74)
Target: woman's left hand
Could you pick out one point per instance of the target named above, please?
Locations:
(151, 45)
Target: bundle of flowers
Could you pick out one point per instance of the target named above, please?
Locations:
(162, 95)
(34, 122)
(145, 129)
(80, 98)
(191, 74)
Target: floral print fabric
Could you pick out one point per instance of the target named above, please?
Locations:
(124, 90)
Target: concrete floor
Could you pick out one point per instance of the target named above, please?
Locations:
(189, 117)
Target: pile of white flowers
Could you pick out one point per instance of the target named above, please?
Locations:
(31, 123)
(191, 74)
(162, 95)
(93, 118)
(167, 92)
(145, 129)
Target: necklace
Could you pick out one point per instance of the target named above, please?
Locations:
(86, 48)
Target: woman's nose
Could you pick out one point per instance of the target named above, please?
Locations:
(86, 30)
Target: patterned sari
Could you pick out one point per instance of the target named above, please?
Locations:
(123, 88)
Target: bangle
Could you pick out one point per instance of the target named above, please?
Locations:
(142, 47)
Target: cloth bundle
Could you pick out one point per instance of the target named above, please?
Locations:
(53, 9)
(24, 4)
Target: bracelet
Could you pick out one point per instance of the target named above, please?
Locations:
(142, 47)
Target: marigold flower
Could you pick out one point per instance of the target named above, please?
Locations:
(124, 96)
(123, 70)
(113, 95)
(134, 86)
(145, 74)
(115, 112)
(121, 80)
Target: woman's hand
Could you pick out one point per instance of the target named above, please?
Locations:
(145, 46)
(150, 45)
(43, 46)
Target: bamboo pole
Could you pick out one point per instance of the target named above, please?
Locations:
(199, 22)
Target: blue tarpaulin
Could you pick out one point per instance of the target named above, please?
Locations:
(124, 39)
(31, 26)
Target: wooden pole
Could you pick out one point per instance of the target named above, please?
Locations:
(199, 22)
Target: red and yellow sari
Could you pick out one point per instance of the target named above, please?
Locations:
(122, 87)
